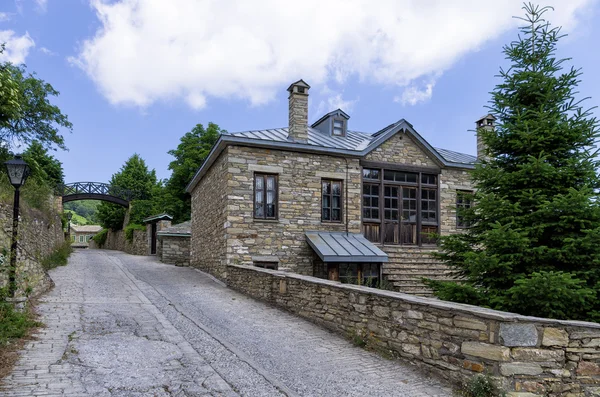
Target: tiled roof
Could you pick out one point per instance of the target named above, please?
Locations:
(86, 228)
(456, 157)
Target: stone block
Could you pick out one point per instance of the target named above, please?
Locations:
(517, 368)
(537, 355)
(586, 368)
(414, 315)
(485, 350)
(514, 334)
(555, 337)
(470, 323)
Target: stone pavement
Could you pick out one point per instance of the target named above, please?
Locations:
(123, 325)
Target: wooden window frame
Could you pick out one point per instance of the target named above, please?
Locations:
(419, 186)
(331, 195)
(460, 224)
(333, 127)
(264, 190)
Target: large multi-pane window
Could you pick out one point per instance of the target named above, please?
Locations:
(400, 207)
(331, 200)
(265, 196)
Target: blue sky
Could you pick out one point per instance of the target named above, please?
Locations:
(135, 75)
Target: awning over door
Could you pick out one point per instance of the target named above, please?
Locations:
(342, 247)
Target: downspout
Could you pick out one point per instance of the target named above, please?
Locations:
(346, 195)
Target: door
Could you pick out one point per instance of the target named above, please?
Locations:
(153, 240)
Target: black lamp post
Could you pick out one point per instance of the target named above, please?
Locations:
(69, 217)
(18, 171)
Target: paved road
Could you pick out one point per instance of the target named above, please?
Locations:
(123, 325)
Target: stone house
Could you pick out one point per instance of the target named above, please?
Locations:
(328, 201)
(174, 244)
(82, 234)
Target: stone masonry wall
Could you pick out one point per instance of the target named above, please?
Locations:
(115, 240)
(39, 235)
(209, 217)
(401, 149)
(528, 356)
(300, 176)
(175, 250)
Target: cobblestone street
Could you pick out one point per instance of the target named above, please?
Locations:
(123, 325)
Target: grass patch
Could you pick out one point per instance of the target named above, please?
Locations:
(130, 228)
(59, 257)
(100, 238)
(480, 386)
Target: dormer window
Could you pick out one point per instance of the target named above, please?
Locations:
(338, 127)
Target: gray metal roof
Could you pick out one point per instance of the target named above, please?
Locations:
(344, 247)
(354, 144)
(158, 217)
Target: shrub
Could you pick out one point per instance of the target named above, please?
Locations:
(59, 257)
(100, 238)
(480, 386)
(130, 228)
(14, 324)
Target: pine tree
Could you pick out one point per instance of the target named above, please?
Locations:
(534, 247)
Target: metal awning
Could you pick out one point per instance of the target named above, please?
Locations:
(342, 247)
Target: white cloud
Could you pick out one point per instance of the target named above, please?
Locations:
(334, 101)
(151, 50)
(413, 94)
(47, 51)
(4, 16)
(17, 47)
(42, 4)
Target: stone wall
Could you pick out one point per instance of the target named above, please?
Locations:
(40, 234)
(528, 356)
(115, 240)
(401, 149)
(174, 250)
(300, 177)
(209, 217)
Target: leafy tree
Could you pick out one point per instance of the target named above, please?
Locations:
(85, 208)
(26, 113)
(190, 154)
(534, 247)
(44, 166)
(135, 176)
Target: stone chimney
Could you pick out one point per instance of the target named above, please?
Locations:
(486, 122)
(298, 126)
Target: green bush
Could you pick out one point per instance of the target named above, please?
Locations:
(480, 386)
(100, 238)
(130, 228)
(14, 324)
(59, 257)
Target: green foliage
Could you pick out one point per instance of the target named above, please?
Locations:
(534, 243)
(84, 209)
(77, 219)
(190, 154)
(44, 167)
(100, 238)
(59, 257)
(135, 176)
(480, 386)
(13, 324)
(130, 228)
(26, 114)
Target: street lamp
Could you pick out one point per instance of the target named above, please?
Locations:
(18, 171)
(69, 217)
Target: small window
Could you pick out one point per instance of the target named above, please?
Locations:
(428, 179)
(265, 196)
(338, 127)
(267, 265)
(370, 201)
(81, 239)
(331, 200)
(367, 274)
(369, 173)
(464, 201)
(398, 176)
(300, 90)
(490, 122)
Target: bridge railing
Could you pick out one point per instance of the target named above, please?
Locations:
(96, 188)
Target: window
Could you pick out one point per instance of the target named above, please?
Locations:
(331, 200)
(267, 265)
(400, 207)
(265, 196)
(338, 127)
(464, 201)
(367, 274)
(81, 239)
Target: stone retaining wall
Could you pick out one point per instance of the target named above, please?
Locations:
(174, 250)
(529, 356)
(40, 234)
(115, 240)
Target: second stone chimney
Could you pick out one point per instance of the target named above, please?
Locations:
(486, 122)
(298, 113)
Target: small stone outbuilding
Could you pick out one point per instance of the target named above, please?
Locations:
(174, 244)
(154, 224)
